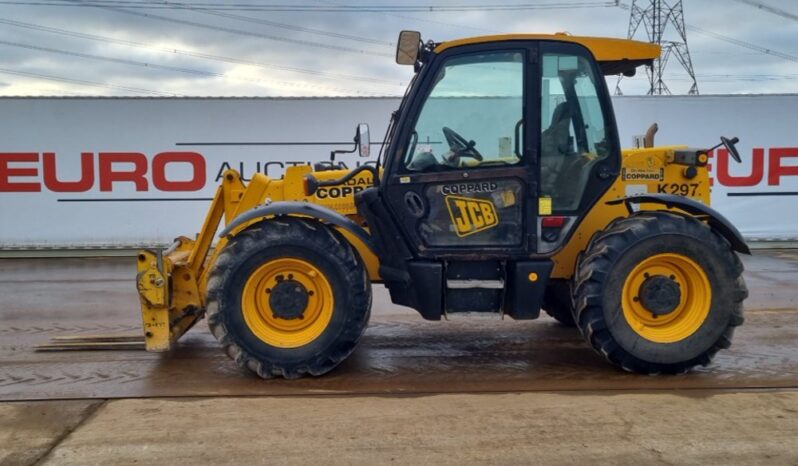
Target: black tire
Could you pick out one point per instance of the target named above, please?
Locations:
(310, 241)
(611, 257)
(558, 303)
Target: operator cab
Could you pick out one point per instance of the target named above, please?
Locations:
(501, 145)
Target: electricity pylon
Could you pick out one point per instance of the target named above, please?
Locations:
(656, 16)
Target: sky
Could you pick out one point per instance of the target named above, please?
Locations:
(346, 47)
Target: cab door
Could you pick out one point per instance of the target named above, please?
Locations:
(463, 179)
(579, 151)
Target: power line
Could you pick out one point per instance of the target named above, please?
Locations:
(276, 24)
(82, 82)
(731, 40)
(240, 32)
(742, 43)
(417, 19)
(219, 58)
(732, 78)
(374, 8)
(290, 27)
(171, 68)
(770, 9)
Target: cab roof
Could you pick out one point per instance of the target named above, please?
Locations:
(615, 56)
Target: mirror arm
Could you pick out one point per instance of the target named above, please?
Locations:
(341, 151)
(714, 147)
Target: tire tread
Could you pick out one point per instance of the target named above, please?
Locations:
(293, 231)
(607, 247)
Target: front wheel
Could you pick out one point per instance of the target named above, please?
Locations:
(288, 297)
(659, 293)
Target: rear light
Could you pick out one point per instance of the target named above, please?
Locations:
(555, 221)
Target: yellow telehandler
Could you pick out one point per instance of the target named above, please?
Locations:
(500, 187)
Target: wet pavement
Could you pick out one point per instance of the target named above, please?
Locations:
(399, 354)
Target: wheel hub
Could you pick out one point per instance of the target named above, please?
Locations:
(660, 294)
(666, 297)
(287, 302)
(288, 299)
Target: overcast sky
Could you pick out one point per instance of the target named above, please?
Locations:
(737, 46)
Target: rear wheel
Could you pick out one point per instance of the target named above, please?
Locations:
(659, 292)
(557, 302)
(288, 297)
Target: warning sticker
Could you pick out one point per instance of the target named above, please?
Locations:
(636, 189)
(544, 206)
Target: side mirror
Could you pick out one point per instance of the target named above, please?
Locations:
(407, 47)
(729, 144)
(362, 139)
(361, 143)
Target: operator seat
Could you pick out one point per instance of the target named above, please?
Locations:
(555, 146)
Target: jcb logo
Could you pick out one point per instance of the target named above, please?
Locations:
(471, 215)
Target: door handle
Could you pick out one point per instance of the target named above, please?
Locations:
(517, 135)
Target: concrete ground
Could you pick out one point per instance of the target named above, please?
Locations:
(471, 390)
(515, 428)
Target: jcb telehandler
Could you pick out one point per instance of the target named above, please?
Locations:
(500, 187)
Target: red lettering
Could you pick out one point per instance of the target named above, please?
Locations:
(775, 168)
(6, 172)
(108, 176)
(757, 169)
(710, 154)
(85, 182)
(160, 162)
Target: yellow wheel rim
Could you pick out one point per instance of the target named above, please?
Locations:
(687, 316)
(264, 320)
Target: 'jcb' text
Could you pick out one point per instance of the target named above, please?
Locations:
(471, 215)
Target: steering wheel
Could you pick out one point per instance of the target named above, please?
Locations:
(459, 146)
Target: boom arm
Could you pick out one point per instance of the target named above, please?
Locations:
(171, 283)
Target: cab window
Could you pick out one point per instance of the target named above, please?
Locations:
(473, 115)
(574, 134)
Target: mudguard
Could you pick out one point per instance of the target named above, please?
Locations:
(302, 209)
(715, 219)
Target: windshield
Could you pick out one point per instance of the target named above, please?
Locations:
(472, 115)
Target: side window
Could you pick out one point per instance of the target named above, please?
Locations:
(473, 115)
(574, 135)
